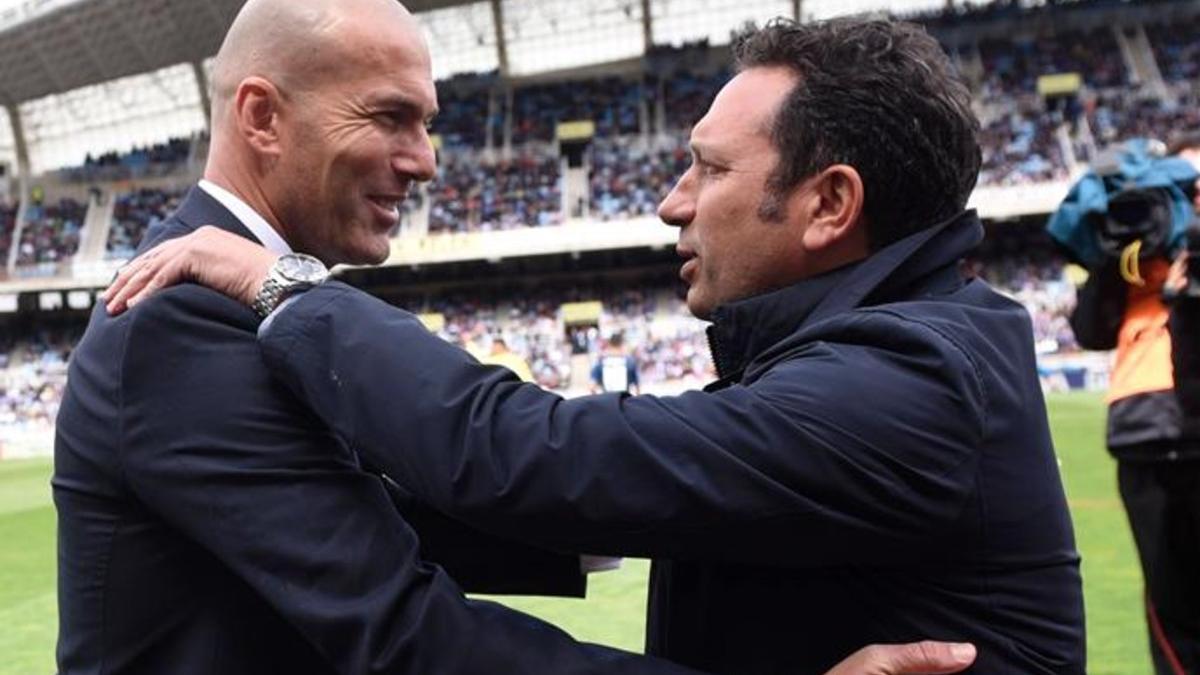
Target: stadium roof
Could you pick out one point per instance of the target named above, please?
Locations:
(92, 76)
(52, 46)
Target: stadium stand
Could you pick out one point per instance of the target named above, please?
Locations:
(611, 102)
(134, 213)
(466, 117)
(51, 233)
(500, 168)
(1020, 148)
(1122, 115)
(159, 159)
(1177, 49)
(630, 178)
(1013, 66)
(33, 372)
(472, 192)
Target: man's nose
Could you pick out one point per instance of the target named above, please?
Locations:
(679, 207)
(418, 161)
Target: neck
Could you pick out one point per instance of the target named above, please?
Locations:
(244, 187)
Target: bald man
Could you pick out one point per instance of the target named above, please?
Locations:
(208, 523)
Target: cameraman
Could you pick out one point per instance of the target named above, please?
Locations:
(1137, 304)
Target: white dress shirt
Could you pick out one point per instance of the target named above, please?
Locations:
(258, 226)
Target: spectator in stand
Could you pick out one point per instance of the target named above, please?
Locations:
(501, 355)
(615, 370)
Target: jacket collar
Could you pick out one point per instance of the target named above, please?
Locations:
(922, 263)
(199, 208)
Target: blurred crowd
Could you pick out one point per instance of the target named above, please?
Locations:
(51, 233)
(1176, 46)
(1012, 67)
(141, 161)
(472, 192)
(668, 343)
(134, 213)
(33, 372)
(629, 177)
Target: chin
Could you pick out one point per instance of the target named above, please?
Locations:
(699, 308)
(368, 255)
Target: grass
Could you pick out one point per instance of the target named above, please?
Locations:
(615, 609)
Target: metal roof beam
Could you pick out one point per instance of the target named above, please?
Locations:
(18, 133)
(501, 39)
(205, 101)
(647, 27)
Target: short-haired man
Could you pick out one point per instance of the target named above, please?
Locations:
(874, 463)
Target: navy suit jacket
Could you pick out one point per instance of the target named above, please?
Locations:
(208, 523)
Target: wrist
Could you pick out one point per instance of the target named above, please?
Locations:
(288, 274)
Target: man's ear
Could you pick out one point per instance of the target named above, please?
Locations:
(835, 210)
(257, 110)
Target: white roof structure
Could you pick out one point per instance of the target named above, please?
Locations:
(91, 76)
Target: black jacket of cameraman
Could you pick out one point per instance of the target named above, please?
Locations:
(1154, 392)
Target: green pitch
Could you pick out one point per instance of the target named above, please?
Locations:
(613, 613)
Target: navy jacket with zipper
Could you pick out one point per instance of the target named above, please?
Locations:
(874, 465)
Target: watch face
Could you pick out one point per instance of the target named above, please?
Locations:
(302, 268)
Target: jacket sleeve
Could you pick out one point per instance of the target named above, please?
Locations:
(1100, 307)
(232, 462)
(794, 470)
(480, 562)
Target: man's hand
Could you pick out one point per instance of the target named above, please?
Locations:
(928, 658)
(224, 262)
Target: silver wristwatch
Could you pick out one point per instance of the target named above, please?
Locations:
(293, 272)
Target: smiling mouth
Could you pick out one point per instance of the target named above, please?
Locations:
(388, 203)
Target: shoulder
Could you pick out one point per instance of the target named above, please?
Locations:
(183, 341)
(897, 361)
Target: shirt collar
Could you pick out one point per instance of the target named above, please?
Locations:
(254, 222)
